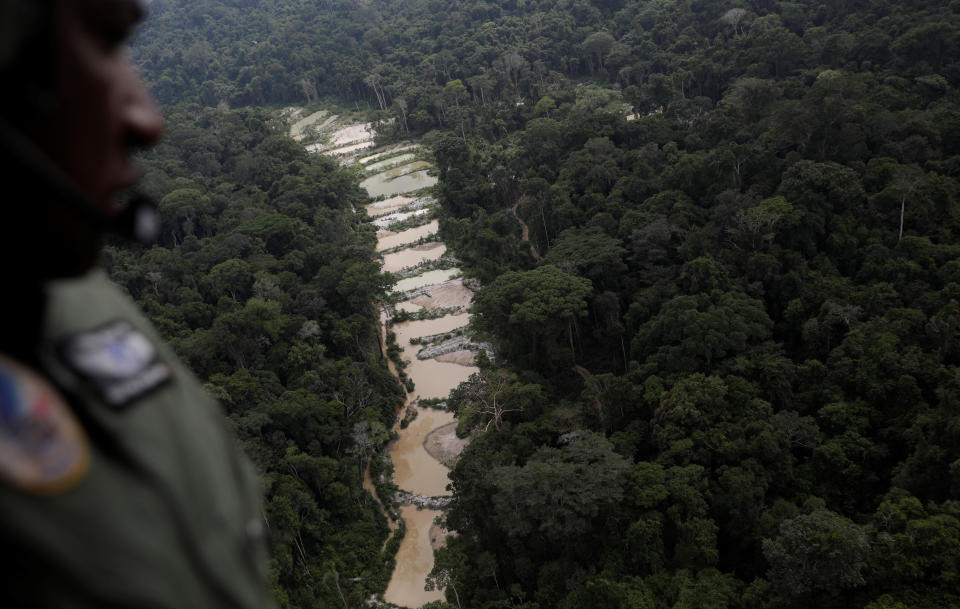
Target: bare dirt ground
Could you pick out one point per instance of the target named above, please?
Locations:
(352, 133)
(447, 294)
(464, 358)
(407, 237)
(443, 444)
(378, 155)
(382, 222)
(348, 149)
(387, 206)
(525, 232)
(409, 307)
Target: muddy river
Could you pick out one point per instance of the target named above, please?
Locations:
(414, 559)
(415, 471)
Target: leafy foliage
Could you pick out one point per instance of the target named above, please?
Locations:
(746, 291)
(265, 283)
(746, 309)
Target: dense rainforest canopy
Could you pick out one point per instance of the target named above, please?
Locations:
(727, 368)
(265, 282)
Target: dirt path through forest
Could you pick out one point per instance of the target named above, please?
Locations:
(525, 231)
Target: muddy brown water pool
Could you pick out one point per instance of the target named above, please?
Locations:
(413, 256)
(386, 206)
(414, 558)
(414, 469)
(425, 279)
(408, 236)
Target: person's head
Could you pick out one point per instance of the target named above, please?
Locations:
(96, 109)
(73, 112)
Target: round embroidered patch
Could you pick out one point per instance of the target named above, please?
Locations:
(43, 449)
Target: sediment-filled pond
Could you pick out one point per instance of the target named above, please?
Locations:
(407, 237)
(413, 256)
(389, 185)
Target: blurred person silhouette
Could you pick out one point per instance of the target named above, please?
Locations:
(120, 485)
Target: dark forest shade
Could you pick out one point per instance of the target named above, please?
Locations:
(265, 282)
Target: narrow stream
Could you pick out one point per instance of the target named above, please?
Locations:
(414, 561)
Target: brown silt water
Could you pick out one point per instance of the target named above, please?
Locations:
(415, 470)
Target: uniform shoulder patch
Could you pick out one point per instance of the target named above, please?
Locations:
(120, 362)
(43, 448)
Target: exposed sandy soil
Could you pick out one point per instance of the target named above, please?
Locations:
(412, 256)
(391, 162)
(407, 237)
(385, 233)
(349, 149)
(424, 279)
(351, 133)
(382, 222)
(387, 206)
(447, 294)
(378, 155)
(464, 357)
(443, 444)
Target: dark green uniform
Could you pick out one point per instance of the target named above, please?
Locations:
(120, 485)
(160, 509)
